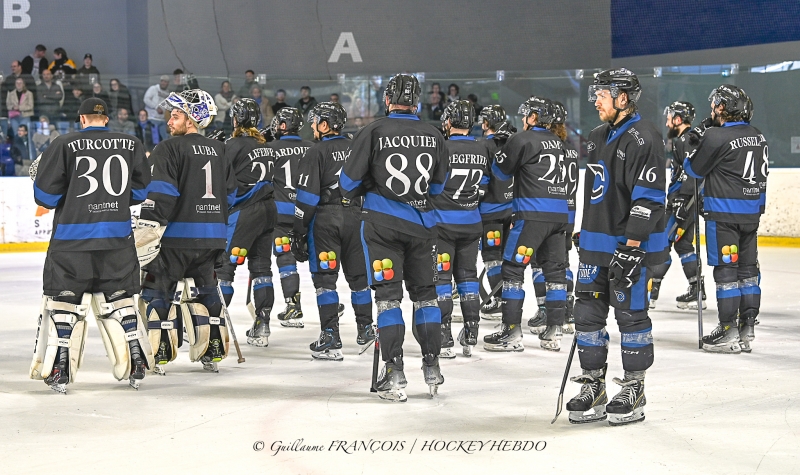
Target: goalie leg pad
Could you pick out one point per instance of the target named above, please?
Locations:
(61, 325)
(120, 326)
(164, 325)
(201, 333)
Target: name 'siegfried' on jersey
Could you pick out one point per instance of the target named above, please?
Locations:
(398, 163)
(252, 164)
(624, 192)
(91, 178)
(193, 184)
(318, 177)
(457, 206)
(287, 152)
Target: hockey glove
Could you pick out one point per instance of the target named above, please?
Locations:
(34, 167)
(218, 134)
(626, 266)
(147, 235)
(680, 207)
(576, 240)
(300, 247)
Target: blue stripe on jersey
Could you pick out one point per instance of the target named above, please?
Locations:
(290, 137)
(544, 205)
(102, 230)
(652, 194)
(675, 187)
(333, 137)
(347, 183)
(687, 167)
(45, 197)
(499, 174)
(94, 128)
(461, 137)
(731, 205)
(366, 255)
(395, 115)
(285, 207)
(712, 248)
(398, 209)
(601, 242)
(458, 216)
(139, 195)
(571, 217)
(487, 208)
(196, 230)
(163, 187)
(485, 180)
(307, 198)
(437, 188)
(241, 199)
(733, 124)
(232, 198)
(233, 220)
(615, 133)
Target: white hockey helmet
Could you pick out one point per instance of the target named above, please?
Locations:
(196, 103)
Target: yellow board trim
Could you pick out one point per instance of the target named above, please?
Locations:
(24, 247)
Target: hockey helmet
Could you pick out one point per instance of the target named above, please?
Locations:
(616, 81)
(460, 114)
(559, 113)
(330, 112)
(541, 106)
(246, 112)
(684, 110)
(493, 115)
(403, 90)
(289, 116)
(737, 103)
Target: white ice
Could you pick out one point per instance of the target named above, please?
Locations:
(706, 413)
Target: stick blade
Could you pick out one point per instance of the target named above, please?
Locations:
(558, 409)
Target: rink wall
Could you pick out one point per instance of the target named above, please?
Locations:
(24, 226)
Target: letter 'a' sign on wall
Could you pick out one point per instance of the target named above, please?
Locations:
(15, 14)
(346, 44)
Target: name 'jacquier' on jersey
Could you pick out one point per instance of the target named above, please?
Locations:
(625, 177)
(405, 171)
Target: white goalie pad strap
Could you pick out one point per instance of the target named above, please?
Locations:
(79, 310)
(186, 291)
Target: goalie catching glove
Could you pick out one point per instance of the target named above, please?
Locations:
(626, 266)
(147, 235)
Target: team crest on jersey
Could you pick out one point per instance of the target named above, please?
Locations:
(587, 273)
(590, 146)
(600, 183)
(620, 296)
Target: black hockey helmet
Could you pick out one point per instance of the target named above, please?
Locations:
(493, 115)
(541, 106)
(684, 110)
(330, 112)
(289, 116)
(616, 81)
(246, 112)
(737, 103)
(460, 114)
(559, 113)
(403, 90)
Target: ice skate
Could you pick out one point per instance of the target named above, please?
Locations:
(468, 337)
(209, 365)
(569, 321)
(457, 316)
(392, 381)
(590, 404)
(689, 299)
(328, 346)
(654, 291)
(432, 373)
(447, 342)
(59, 377)
(214, 354)
(538, 323)
(366, 334)
(493, 310)
(723, 339)
(159, 370)
(258, 334)
(550, 339)
(138, 367)
(747, 333)
(509, 338)
(340, 309)
(627, 406)
(292, 316)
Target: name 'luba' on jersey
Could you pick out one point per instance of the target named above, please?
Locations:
(253, 166)
(457, 205)
(625, 176)
(197, 215)
(91, 178)
(405, 171)
(535, 159)
(286, 154)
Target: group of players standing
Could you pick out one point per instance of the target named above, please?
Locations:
(399, 202)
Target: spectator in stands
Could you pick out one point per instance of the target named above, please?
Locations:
(437, 88)
(335, 98)
(9, 84)
(118, 96)
(49, 95)
(178, 81)
(147, 131)
(62, 67)
(34, 65)
(452, 93)
(73, 102)
(121, 124)
(249, 83)
(359, 108)
(45, 133)
(280, 101)
(306, 102)
(163, 130)
(153, 97)
(99, 92)
(264, 105)
(85, 73)
(224, 100)
(434, 107)
(375, 100)
(21, 149)
(476, 108)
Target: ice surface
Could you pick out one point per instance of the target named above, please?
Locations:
(706, 413)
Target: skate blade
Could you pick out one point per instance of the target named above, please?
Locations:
(60, 388)
(292, 323)
(595, 414)
(568, 329)
(491, 317)
(447, 353)
(211, 367)
(159, 370)
(537, 330)
(134, 383)
(652, 305)
(731, 348)
(394, 396)
(516, 347)
(433, 390)
(550, 345)
(328, 355)
(261, 342)
(364, 348)
(637, 415)
(466, 350)
(457, 318)
(693, 306)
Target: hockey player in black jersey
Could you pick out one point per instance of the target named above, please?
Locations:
(534, 158)
(680, 208)
(733, 157)
(287, 150)
(459, 226)
(251, 218)
(538, 323)
(399, 163)
(182, 229)
(495, 206)
(622, 234)
(327, 232)
(91, 178)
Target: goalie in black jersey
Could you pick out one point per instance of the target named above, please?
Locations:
(327, 232)
(399, 163)
(458, 223)
(251, 218)
(733, 157)
(182, 230)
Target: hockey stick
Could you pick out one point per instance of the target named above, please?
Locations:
(230, 325)
(375, 360)
(700, 286)
(481, 290)
(675, 226)
(492, 293)
(564, 380)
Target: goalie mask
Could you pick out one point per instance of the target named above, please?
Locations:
(196, 103)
